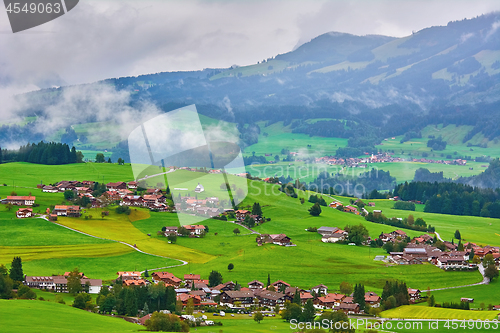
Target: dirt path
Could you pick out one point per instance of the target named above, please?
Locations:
(183, 262)
(485, 280)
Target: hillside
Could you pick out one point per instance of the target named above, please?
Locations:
(378, 86)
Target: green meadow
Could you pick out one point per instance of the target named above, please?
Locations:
(480, 230)
(425, 312)
(487, 294)
(452, 134)
(21, 174)
(53, 317)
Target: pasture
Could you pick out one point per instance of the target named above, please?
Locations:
(425, 312)
(28, 175)
(479, 230)
(54, 317)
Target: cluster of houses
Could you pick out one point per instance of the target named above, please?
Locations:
(277, 239)
(332, 234)
(195, 230)
(418, 252)
(208, 207)
(359, 162)
(59, 283)
(234, 296)
(26, 200)
(351, 209)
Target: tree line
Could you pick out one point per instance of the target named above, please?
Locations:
(50, 153)
(452, 198)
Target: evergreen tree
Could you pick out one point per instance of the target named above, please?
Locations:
(16, 271)
(315, 210)
(457, 234)
(268, 280)
(359, 296)
(214, 279)
(256, 210)
(296, 297)
(309, 311)
(0, 155)
(471, 255)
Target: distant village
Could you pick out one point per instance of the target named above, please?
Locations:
(229, 294)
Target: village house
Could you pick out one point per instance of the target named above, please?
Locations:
(230, 297)
(191, 277)
(132, 200)
(50, 189)
(129, 275)
(278, 239)
(116, 186)
(171, 231)
(329, 301)
(132, 185)
(351, 209)
(327, 230)
(241, 214)
(348, 308)
(414, 294)
(134, 282)
(305, 296)
(230, 285)
(168, 278)
(320, 289)
(199, 188)
(26, 200)
(195, 229)
(69, 211)
(335, 204)
(255, 284)
(59, 283)
(270, 298)
(24, 213)
(279, 284)
(184, 298)
(372, 299)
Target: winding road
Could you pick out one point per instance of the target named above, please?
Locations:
(183, 262)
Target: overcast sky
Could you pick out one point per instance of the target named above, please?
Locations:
(112, 38)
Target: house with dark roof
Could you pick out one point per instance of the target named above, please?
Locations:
(270, 298)
(230, 297)
(255, 284)
(24, 213)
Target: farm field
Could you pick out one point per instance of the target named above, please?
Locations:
(40, 232)
(425, 312)
(475, 229)
(402, 171)
(487, 294)
(43, 318)
(314, 261)
(452, 134)
(28, 175)
(119, 228)
(103, 267)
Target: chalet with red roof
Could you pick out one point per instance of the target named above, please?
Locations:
(24, 213)
(168, 278)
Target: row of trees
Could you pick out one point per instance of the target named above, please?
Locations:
(51, 153)
(452, 198)
(407, 223)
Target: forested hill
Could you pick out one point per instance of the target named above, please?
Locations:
(489, 178)
(374, 86)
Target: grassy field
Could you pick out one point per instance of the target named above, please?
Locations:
(487, 294)
(279, 137)
(474, 229)
(29, 175)
(425, 312)
(98, 267)
(313, 262)
(118, 227)
(452, 134)
(39, 232)
(52, 317)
